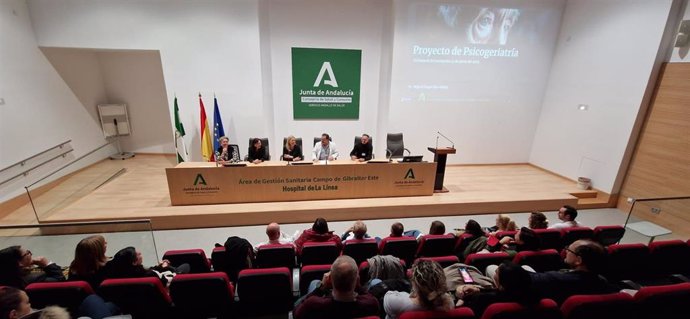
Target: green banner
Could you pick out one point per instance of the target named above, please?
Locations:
(325, 83)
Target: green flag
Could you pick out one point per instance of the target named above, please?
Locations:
(182, 155)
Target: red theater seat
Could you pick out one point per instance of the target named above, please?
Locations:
(547, 309)
(275, 255)
(618, 305)
(265, 291)
(608, 235)
(571, 234)
(218, 259)
(436, 245)
(203, 295)
(142, 297)
(444, 261)
(481, 261)
(549, 238)
(627, 262)
(360, 249)
(667, 302)
(310, 273)
(459, 313)
(404, 248)
(69, 294)
(196, 258)
(319, 253)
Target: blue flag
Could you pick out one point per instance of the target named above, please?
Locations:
(218, 130)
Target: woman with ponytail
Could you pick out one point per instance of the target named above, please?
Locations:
(429, 291)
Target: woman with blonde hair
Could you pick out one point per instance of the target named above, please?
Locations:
(89, 259)
(429, 291)
(292, 151)
(503, 223)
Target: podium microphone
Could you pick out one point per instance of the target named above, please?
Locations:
(451, 142)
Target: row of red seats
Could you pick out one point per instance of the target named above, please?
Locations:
(268, 292)
(666, 302)
(405, 248)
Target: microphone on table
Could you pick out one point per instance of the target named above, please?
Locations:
(451, 142)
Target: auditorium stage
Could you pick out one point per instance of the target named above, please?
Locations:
(142, 192)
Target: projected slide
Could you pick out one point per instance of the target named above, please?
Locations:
(471, 51)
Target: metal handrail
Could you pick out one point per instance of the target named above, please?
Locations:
(660, 198)
(26, 172)
(68, 164)
(90, 223)
(22, 162)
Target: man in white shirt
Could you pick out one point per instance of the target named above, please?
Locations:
(275, 236)
(567, 214)
(325, 150)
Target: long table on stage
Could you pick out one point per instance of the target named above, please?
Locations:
(195, 183)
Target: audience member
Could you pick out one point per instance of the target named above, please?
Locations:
(537, 220)
(437, 228)
(475, 242)
(18, 268)
(14, 303)
(567, 215)
(429, 291)
(128, 263)
(585, 260)
(398, 230)
(503, 223)
(239, 255)
(89, 261)
(54, 312)
(275, 236)
(343, 301)
(318, 232)
(357, 231)
(525, 239)
(513, 284)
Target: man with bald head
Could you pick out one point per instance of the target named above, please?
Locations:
(338, 295)
(275, 236)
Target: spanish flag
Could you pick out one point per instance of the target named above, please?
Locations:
(206, 142)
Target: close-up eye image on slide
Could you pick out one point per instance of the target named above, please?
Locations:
(371, 159)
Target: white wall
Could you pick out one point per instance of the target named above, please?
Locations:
(326, 24)
(206, 46)
(605, 55)
(135, 78)
(40, 111)
(681, 54)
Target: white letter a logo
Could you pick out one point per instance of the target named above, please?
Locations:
(326, 67)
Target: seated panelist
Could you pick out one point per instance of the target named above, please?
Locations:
(362, 151)
(325, 150)
(257, 153)
(292, 151)
(225, 153)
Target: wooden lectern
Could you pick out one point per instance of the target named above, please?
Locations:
(440, 155)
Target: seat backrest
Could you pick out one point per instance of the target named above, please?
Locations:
(608, 235)
(626, 262)
(571, 234)
(218, 259)
(436, 245)
(481, 261)
(264, 143)
(546, 309)
(142, 297)
(319, 253)
(550, 238)
(444, 261)
(541, 261)
(617, 305)
(459, 313)
(404, 248)
(309, 273)
(275, 255)
(254, 296)
(207, 294)
(196, 258)
(668, 302)
(670, 257)
(360, 249)
(69, 294)
(395, 145)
